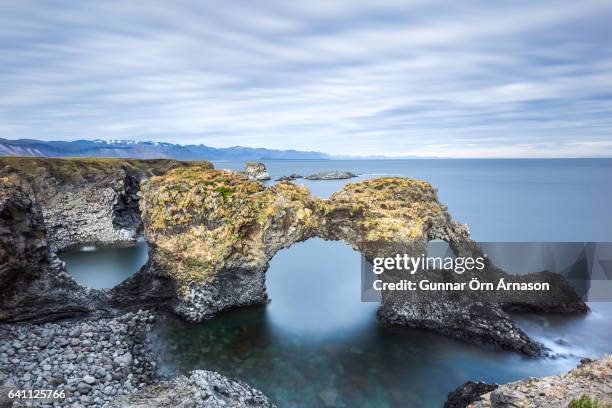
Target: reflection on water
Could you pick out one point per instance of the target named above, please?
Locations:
(104, 267)
(316, 345)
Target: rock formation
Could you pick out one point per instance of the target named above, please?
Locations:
(590, 381)
(331, 175)
(86, 200)
(256, 171)
(291, 177)
(33, 282)
(213, 233)
(201, 389)
(49, 204)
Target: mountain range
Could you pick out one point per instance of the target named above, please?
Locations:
(146, 150)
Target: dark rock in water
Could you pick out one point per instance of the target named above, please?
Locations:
(331, 175)
(256, 171)
(467, 393)
(290, 177)
(201, 389)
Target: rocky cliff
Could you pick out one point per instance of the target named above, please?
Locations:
(588, 385)
(212, 235)
(86, 200)
(34, 284)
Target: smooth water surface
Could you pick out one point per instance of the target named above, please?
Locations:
(317, 345)
(106, 266)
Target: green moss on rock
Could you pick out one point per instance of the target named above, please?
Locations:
(202, 221)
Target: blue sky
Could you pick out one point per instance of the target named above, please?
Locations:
(443, 78)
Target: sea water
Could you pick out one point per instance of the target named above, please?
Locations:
(317, 345)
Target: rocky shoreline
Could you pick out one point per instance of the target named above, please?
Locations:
(92, 361)
(591, 381)
(104, 363)
(211, 235)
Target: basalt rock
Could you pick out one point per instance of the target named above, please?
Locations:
(201, 389)
(33, 282)
(467, 393)
(213, 233)
(87, 200)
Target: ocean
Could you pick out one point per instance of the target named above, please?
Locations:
(315, 344)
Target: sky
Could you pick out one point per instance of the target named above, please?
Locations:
(425, 78)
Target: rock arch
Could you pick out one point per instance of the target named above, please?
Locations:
(212, 234)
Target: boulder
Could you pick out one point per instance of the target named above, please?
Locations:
(256, 171)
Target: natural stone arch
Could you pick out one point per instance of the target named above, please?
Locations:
(212, 234)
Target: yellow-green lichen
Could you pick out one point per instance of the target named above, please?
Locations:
(202, 220)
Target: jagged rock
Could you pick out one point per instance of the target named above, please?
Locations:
(33, 283)
(87, 200)
(213, 233)
(256, 171)
(591, 379)
(331, 175)
(201, 389)
(467, 393)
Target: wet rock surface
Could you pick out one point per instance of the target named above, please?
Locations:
(331, 175)
(201, 389)
(591, 379)
(93, 362)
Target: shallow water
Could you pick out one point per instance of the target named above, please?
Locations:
(106, 266)
(317, 345)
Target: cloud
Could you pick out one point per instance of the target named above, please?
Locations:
(476, 78)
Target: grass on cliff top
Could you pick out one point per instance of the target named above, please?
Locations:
(198, 219)
(218, 195)
(77, 168)
(391, 207)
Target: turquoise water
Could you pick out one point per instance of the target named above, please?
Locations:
(317, 345)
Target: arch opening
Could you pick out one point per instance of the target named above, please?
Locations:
(314, 288)
(106, 266)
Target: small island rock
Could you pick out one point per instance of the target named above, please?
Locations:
(256, 171)
(331, 175)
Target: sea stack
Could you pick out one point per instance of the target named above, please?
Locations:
(256, 171)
